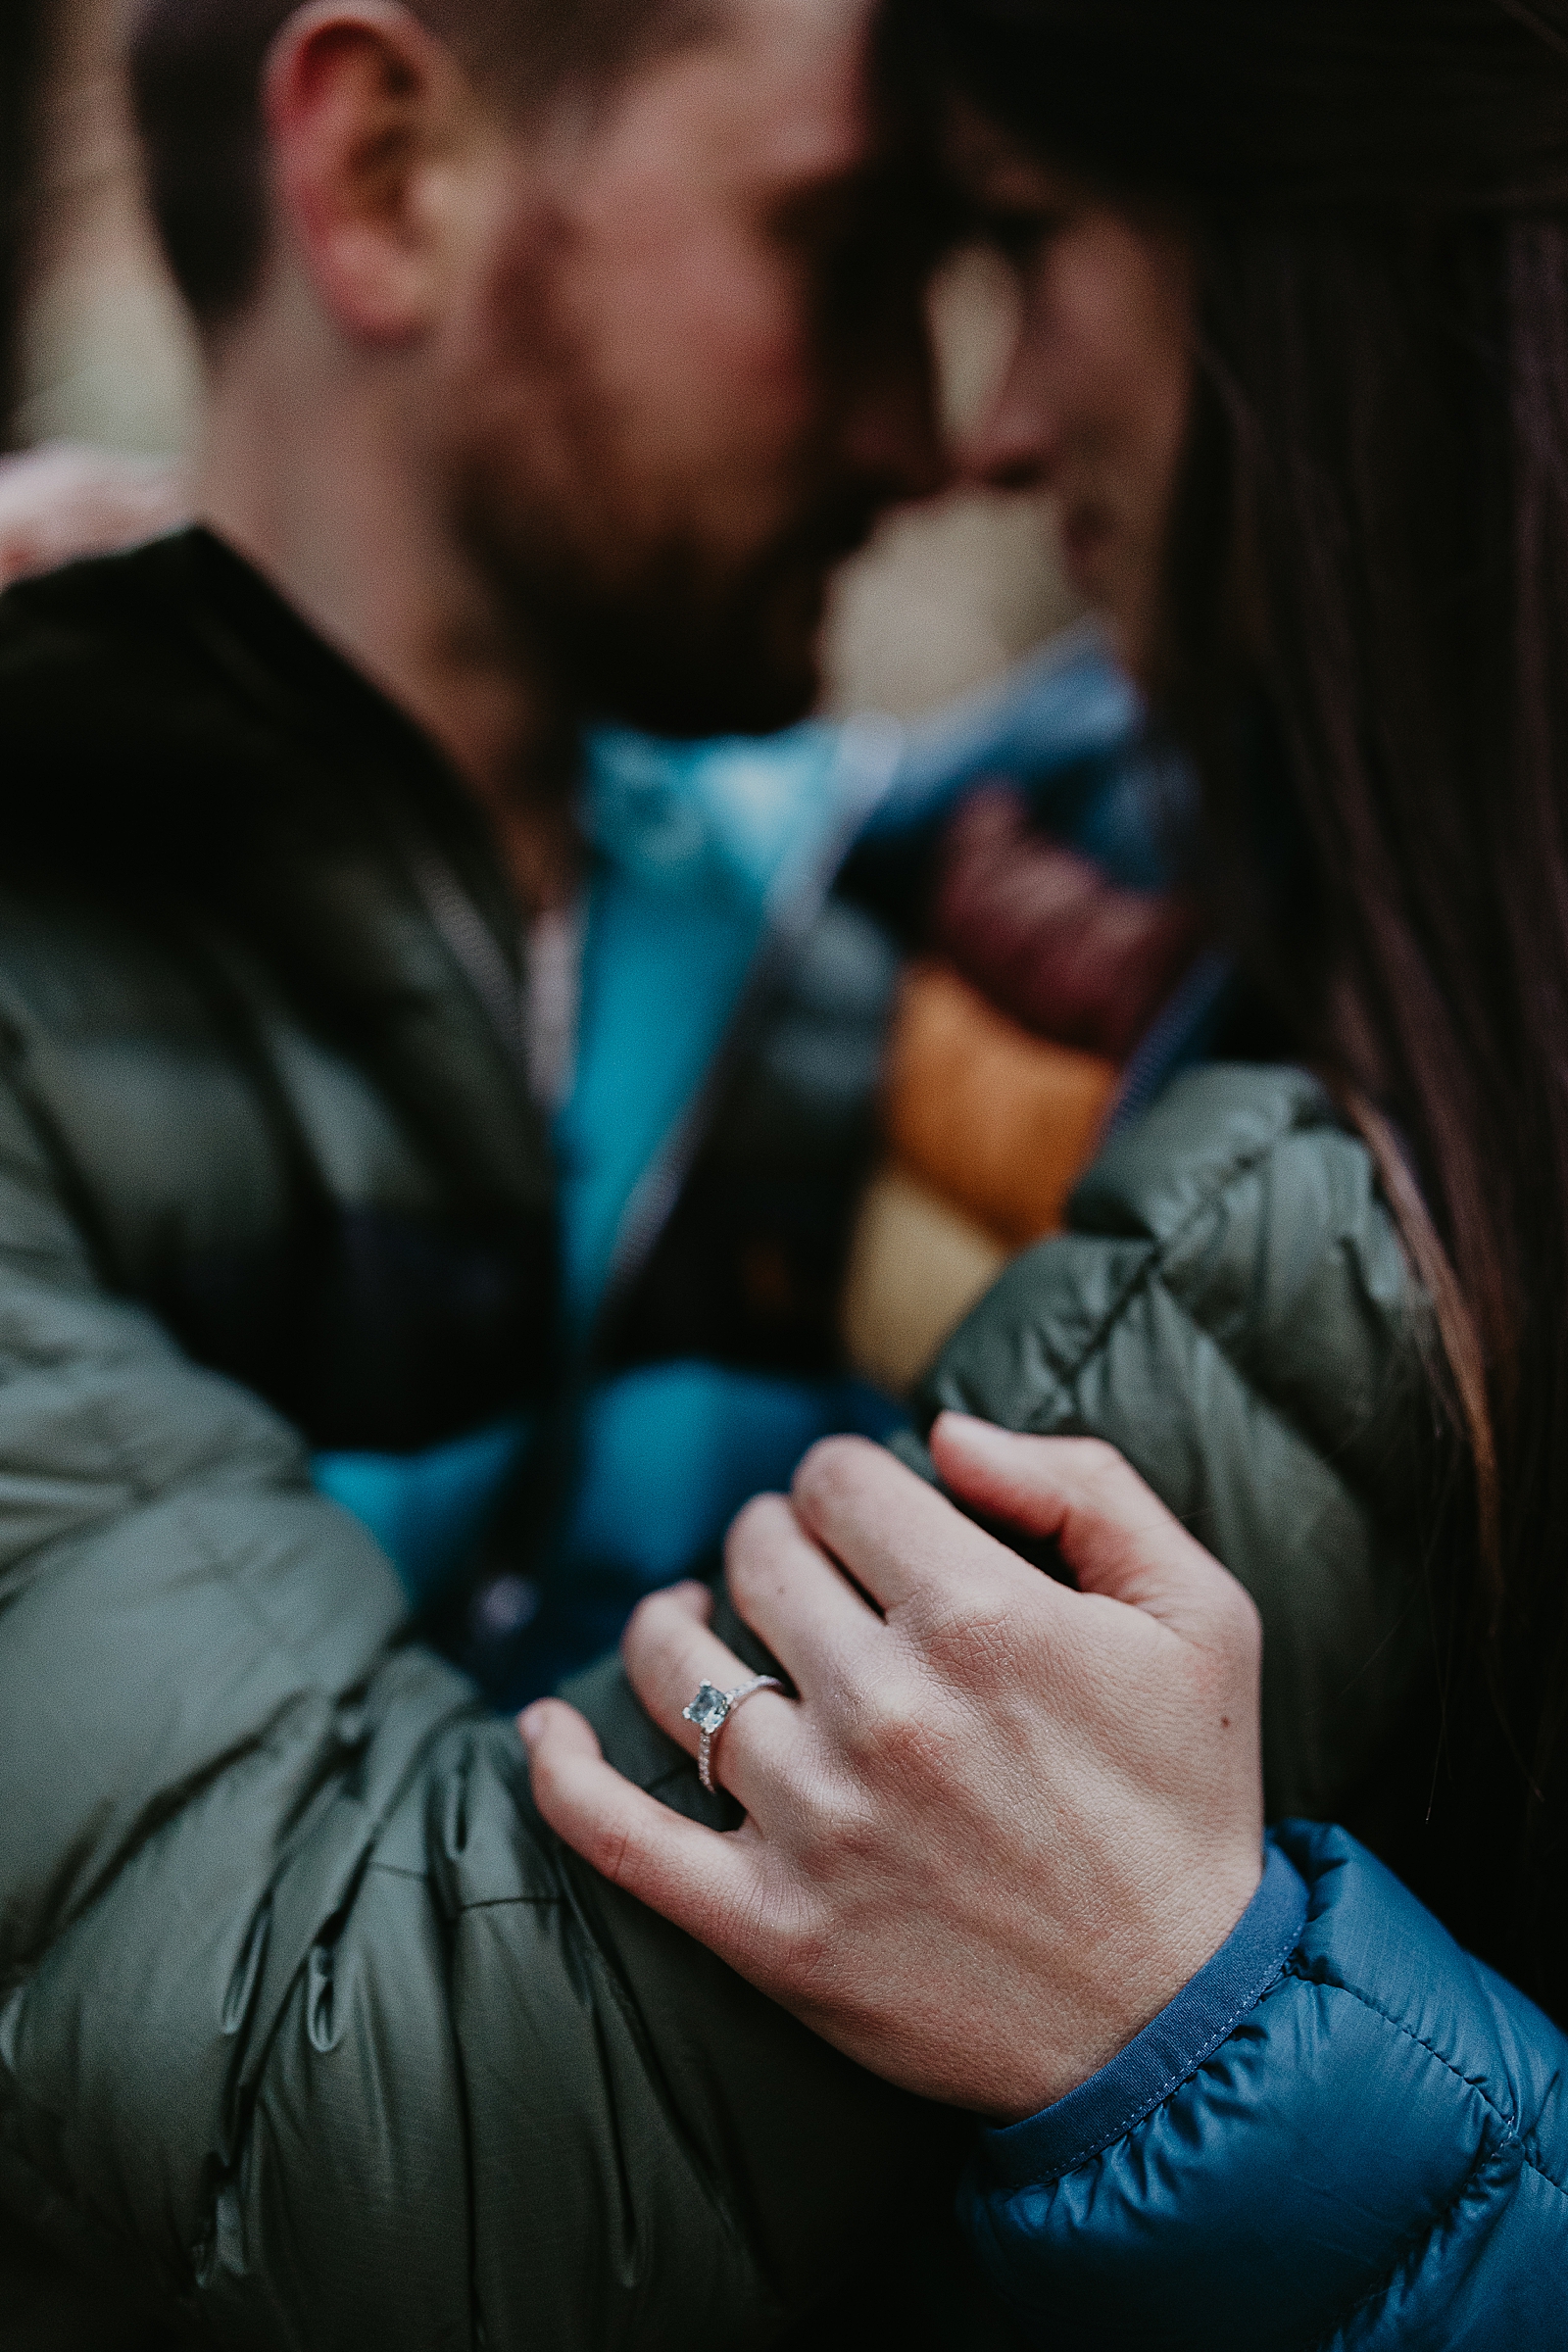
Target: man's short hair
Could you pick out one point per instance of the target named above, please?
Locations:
(196, 69)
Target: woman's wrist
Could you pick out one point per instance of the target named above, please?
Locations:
(1148, 1969)
(1169, 2047)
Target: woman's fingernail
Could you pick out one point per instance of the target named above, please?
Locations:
(530, 1723)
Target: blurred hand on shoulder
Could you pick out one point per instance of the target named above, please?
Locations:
(63, 501)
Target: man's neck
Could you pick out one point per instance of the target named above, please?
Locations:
(322, 496)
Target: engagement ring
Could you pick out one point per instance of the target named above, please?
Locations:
(713, 1708)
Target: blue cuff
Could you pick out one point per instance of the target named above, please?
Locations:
(1170, 2047)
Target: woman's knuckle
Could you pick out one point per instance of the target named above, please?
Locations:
(636, 1639)
(1240, 1622)
(800, 1947)
(969, 1640)
(897, 1742)
(885, 1719)
(845, 1825)
(756, 1555)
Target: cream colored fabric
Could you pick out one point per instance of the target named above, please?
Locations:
(916, 1267)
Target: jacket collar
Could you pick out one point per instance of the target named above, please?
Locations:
(225, 768)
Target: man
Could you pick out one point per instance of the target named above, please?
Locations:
(640, 513)
(547, 373)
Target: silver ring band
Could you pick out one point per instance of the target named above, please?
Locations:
(712, 1709)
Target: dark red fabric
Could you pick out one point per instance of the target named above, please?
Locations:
(1041, 932)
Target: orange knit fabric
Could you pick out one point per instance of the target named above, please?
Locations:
(997, 1121)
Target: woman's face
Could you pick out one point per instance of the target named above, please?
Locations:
(1093, 407)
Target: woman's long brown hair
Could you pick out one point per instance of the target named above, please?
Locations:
(1366, 649)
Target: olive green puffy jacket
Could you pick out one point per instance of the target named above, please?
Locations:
(1232, 1308)
(308, 2033)
(306, 2017)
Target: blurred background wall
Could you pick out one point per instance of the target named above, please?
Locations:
(100, 351)
(21, 31)
(104, 351)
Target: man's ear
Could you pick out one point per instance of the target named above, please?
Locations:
(366, 116)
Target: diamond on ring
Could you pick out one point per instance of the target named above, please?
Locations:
(708, 1709)
(712, 1709)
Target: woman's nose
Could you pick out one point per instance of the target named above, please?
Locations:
(1014, 445)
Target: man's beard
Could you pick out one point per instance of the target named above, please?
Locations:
(670, 641)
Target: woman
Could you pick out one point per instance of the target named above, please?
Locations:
(1292, 361)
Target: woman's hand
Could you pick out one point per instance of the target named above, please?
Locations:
(1005, 1821)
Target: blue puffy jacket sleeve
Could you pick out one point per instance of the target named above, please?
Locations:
(1344, 2133)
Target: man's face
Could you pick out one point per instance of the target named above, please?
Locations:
(689, 370)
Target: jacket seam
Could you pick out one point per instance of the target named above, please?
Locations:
(1146, 2114)
(509, 1902)
(1151, 1270)
(603, 1959)
(476, 1902)
(1383, 2287)
(1510, 2123)
(1157, 1247)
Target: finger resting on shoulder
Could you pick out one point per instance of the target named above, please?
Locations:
(896, 1536)
(669, 1653)
(793, 1598)
(691, 1875)
(1039, 1483)
(551, 1724)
